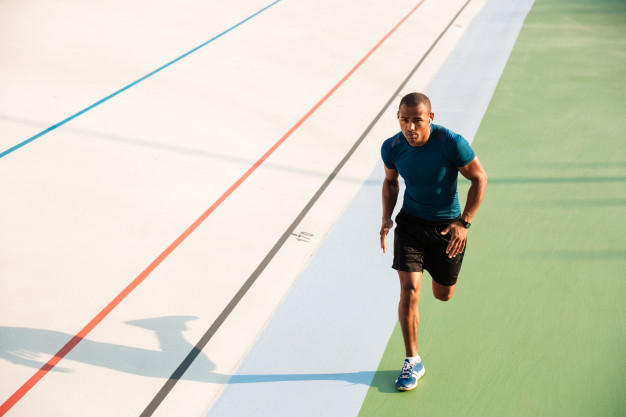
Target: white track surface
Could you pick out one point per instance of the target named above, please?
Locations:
(87, 207)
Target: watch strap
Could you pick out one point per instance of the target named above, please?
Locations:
(464, 223)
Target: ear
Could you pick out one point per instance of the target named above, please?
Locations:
(432, 116)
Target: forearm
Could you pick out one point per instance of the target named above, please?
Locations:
(390, 197)
(474, 198)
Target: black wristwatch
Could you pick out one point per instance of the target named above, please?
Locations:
(464, 223)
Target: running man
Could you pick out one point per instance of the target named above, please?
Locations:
(431, 231)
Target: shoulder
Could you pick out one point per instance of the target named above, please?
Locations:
(389, 150)
(456, 146)
(392, 144)
(446, 136)
(393, 141)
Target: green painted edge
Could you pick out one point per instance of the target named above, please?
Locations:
(537, 325)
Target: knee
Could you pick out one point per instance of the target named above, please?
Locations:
(443, 296)
(409, 290)
(443, 293)
(410, 285)
(409, 294)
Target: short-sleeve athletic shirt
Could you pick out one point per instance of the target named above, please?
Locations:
(429, 172)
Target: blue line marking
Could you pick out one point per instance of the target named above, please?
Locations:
(51, 128)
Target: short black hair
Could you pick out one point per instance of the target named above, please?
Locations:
(414, 100)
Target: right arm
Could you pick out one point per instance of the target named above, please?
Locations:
(391, 188)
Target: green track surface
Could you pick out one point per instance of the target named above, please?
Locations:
(537, 326)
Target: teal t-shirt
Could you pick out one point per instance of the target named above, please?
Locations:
(430, 172)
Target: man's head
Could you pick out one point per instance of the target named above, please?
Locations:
(415, 116)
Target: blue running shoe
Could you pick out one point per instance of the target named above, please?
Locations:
(409, 375)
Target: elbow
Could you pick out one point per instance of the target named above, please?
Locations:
(479, 182)
(392, 184)
(481, 179)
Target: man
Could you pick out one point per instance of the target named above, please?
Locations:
(431, 231)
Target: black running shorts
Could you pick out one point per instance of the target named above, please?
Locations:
(419, 246)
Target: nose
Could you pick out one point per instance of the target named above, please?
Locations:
(412, 126)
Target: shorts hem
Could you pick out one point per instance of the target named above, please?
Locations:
(405, 269)
(447, 284)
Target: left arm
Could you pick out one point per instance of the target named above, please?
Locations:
(476, 174)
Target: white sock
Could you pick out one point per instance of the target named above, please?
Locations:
(414, 359)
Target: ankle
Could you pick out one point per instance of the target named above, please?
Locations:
(414, 359)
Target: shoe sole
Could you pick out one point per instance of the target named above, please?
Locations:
(404, 389)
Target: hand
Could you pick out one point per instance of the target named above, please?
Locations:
(384, 229)
(458, 237)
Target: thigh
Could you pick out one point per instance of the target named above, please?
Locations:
(410, 281)
(408, 254)
(443, 292)
(444, 270)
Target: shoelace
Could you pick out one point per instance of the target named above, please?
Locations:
(407, 370)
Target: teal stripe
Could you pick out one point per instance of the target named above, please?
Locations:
(121, 90)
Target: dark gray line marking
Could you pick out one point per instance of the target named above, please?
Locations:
(186, 363)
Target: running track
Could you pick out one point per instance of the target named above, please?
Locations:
(139, 356)
(43, 150)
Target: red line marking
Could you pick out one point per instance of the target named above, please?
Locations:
(8, 404)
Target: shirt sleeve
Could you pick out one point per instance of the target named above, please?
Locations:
(385, 153)
(460, 150)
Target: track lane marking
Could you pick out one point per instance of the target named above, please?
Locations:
(204, 340)
(28, 385)
(121, 90)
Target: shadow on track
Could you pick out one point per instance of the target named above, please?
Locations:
(33, 347)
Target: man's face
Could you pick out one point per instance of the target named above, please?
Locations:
(415, 124)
